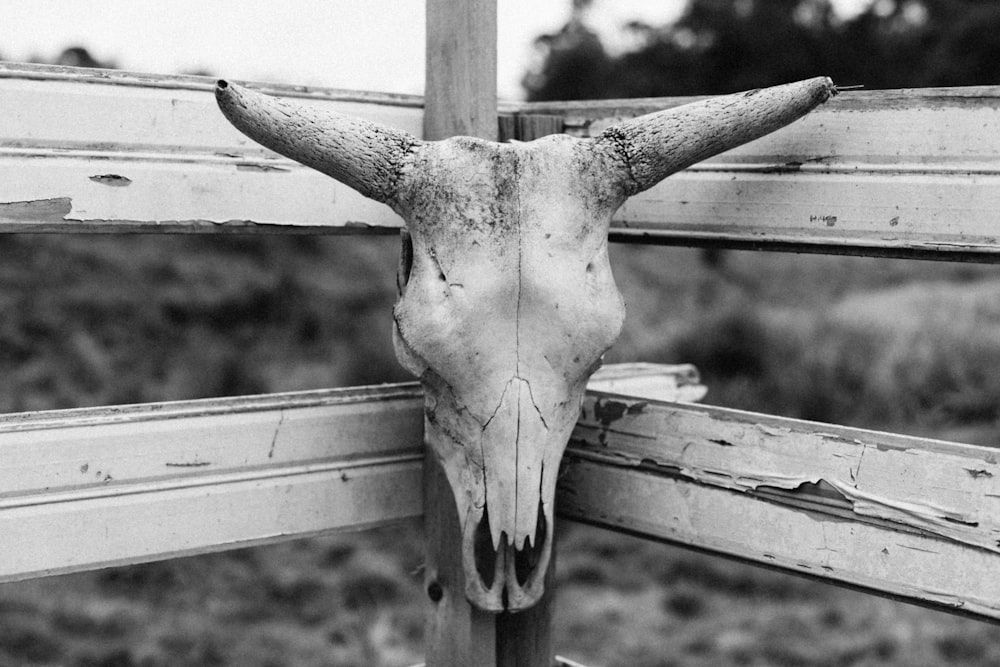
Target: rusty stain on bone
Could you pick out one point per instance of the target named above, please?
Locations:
(506, 297)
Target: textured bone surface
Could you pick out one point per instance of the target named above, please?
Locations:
(506, 296)
(506, 309)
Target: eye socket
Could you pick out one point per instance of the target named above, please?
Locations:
(405, 261)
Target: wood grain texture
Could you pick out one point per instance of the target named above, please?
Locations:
(81, 489)
(461, 69)
(456, 633)
(907, 517)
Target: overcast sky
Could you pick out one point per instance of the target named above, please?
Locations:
(354, 44)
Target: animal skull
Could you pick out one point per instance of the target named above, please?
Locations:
(506, 297)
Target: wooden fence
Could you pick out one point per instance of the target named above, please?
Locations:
(912, 173)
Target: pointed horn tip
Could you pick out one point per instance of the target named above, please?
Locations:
(228, 90)
(819, 88)
(222, 89)
(822, 87)
(227, 94)
(830, 86)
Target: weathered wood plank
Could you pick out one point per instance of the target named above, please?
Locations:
(157, 112)
(53, 191)
(104, 151)
(461, 69)
(909, 172)
(82, 489)
(660, 382)
(906, 172)
(907, 517)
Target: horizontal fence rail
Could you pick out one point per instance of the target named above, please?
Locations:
(907, 517)
(897, 173)
(87, 488)
(901, 173)
(85, 151)
(92, 487)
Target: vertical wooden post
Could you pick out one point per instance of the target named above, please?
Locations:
(457, 633)
(460, 99)
(460, 93)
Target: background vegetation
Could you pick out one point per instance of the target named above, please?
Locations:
(900, 345)
(724, 46)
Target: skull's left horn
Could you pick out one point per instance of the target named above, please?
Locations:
(659, 144)
(364, 155)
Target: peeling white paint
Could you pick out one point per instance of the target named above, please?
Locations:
(913, 521)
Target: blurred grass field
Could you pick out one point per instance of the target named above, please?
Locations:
(898, 345)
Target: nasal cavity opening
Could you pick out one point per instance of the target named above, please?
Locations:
(483, 552)
(526, 559)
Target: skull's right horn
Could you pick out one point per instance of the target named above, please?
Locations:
(364, 155)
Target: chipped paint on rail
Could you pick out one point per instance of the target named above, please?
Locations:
(946, 490)
(54, 209)
(113, 180)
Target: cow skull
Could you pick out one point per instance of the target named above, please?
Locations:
(506, 297)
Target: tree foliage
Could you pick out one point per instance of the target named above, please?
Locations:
(721, 46)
